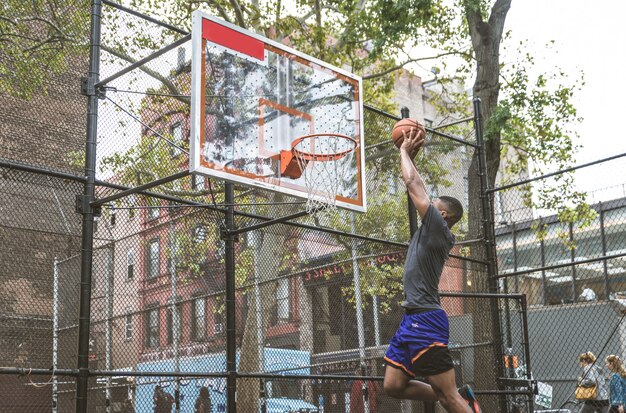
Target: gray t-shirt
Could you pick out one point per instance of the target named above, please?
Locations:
(425, 258)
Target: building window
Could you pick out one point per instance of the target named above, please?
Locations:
(128, 325)
(172, 259)
(198, 319)
(153, 259)
(152, 328)
(172, 328)
(282, 301)
(177, 139)
(130, 265)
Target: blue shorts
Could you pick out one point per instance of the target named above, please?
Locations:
(420, 346)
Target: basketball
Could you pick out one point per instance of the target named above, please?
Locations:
(404, 125)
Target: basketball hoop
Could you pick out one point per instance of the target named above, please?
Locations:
(322, 159)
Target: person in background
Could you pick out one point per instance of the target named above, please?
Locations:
(617, 384)
(163, 401)
(203, 402)
(591, 375)
(357, 404)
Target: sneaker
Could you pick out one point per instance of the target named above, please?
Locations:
(467, 394)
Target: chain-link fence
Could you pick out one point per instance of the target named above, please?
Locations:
(568, 261)
(168, 296)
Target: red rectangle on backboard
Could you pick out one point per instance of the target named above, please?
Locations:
(232, 39)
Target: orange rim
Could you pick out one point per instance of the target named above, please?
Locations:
(324, 157)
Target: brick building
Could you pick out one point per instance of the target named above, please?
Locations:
(37, 224)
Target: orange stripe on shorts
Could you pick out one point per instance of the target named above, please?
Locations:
(399, 365)
(426, 349)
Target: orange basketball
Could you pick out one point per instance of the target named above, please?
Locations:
(404, 125)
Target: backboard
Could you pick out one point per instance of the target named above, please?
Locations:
(252, 97)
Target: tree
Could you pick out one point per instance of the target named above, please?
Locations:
(530, 118)
(38, 39)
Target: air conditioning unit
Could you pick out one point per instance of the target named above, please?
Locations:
(218, 328)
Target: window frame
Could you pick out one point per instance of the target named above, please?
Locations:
(283, 301)
(130, 264)
(177, 140)
(198, 327)
(153, 333)
(153, 264)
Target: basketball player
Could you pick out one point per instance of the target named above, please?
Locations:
(420, 346)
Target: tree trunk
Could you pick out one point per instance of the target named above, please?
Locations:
(268, 250)
(486, 37)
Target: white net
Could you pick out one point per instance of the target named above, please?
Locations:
(324, 160)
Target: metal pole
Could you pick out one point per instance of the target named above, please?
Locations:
(87, 210)
(573, 259)
(524, 311)
(604, 262)
(231, 349)
(108, 302)
(175, 313)
(544, 284)
(490, 239)
(509, 336)
(376, 321)
(356, 276)
(55, 336)
(257, 241)
(515, 264)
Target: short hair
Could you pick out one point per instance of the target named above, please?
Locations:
(587, 357)
(454, 208)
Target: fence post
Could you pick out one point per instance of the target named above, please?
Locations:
(231, 349)
(489, 235)
(356, 279)
(86, 209)
(605, 266)
(526, 338)
(55, 335)
(573, 259)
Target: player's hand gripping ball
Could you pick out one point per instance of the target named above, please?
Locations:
(404, 126)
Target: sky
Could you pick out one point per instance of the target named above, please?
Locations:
(586, 37)
(589, 37)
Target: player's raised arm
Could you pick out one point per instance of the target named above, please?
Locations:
(413, 140)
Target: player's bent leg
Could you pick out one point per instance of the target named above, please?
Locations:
(395, 382)
(399, 385)
(444, 386)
